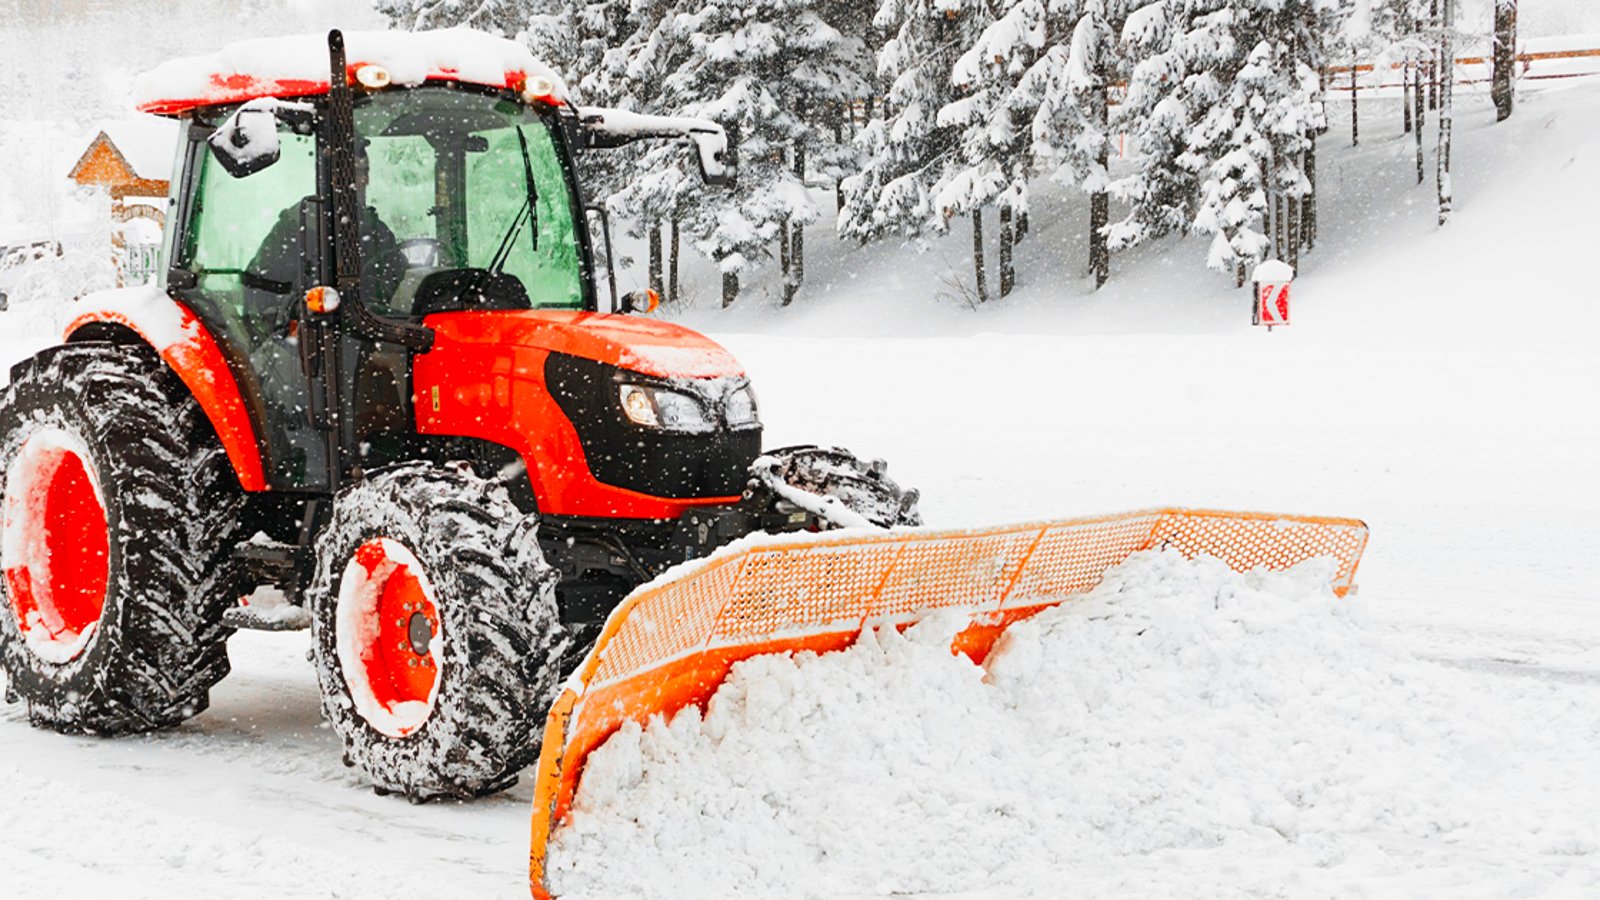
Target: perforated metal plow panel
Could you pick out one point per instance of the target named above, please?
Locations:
(672, 642)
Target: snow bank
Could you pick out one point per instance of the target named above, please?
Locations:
(1181, 731)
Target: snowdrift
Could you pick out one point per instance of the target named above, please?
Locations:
(1182, 730)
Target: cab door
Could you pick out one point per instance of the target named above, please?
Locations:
(245, 261)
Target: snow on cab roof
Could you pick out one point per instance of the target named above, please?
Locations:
(297, 66)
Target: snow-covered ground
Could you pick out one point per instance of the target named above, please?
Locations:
(1439, 384)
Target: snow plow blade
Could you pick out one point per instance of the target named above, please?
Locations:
(672, 642)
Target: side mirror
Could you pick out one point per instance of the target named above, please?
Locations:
(718, 155)
(643, 302)
(715, 148)
(246, 142)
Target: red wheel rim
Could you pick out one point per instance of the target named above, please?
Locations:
(56, 545)
(389, 641)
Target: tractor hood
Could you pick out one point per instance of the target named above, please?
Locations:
(629, 342)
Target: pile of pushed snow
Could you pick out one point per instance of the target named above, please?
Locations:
(1183, 730)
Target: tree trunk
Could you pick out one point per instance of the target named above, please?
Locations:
(1505, 56)
(1311, 196)
(977, 255)
(1446, 114)
(1007, 276)
(1355, 109)
(797, 262)
(1022, 226)
(1099, 201)
(1280, 234)
(655, 257)
(1099, 252)
(1405, 93)
(1322, 91)
(795, 272)
(1293, 203)
(730, 288)
(1433, 61)
(1420, 115)
(673, 283)
(783, 255)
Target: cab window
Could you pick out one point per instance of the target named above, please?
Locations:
(449, 191)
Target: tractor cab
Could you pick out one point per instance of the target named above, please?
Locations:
(463, 200)
(319, 224)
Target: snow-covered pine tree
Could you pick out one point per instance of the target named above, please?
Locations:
(634, 47)
(1157, 115)
(1400, 32)
(1229, 145)
(505, 17)
(654, 185)
(1259, 60)
(835, 71)
(572, 36)
(985, 167)
(905, 150)
(759, 68)
(1224, 101)
(1066, 89)
(1355, 42)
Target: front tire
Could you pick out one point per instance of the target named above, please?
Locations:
(435, 632)
(118, 505)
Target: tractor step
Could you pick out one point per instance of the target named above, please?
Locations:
(266, 556)
(267, 610)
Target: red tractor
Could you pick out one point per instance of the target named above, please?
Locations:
(386, 373)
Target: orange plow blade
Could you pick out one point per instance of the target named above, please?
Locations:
(671, 643)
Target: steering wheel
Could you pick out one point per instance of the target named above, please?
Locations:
(422, 252)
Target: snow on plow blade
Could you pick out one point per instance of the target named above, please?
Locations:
(672, 642)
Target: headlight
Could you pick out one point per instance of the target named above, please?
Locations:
(740, 407)
(655, 407)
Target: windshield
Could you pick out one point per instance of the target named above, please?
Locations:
(445, 177)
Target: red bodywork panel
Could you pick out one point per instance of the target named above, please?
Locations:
(175, 332)
(484, 378)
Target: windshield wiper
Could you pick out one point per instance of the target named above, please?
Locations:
(529, 211)
(533, 189)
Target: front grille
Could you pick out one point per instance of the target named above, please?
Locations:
(647, 460)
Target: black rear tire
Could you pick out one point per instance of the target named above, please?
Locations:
(495, 640)
(168, 499)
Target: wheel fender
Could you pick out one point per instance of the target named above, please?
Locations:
(182, 340)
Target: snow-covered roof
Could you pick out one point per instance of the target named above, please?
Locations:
(147, 143)
(297, 66)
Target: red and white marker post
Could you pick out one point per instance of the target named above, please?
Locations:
(1271, 281)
